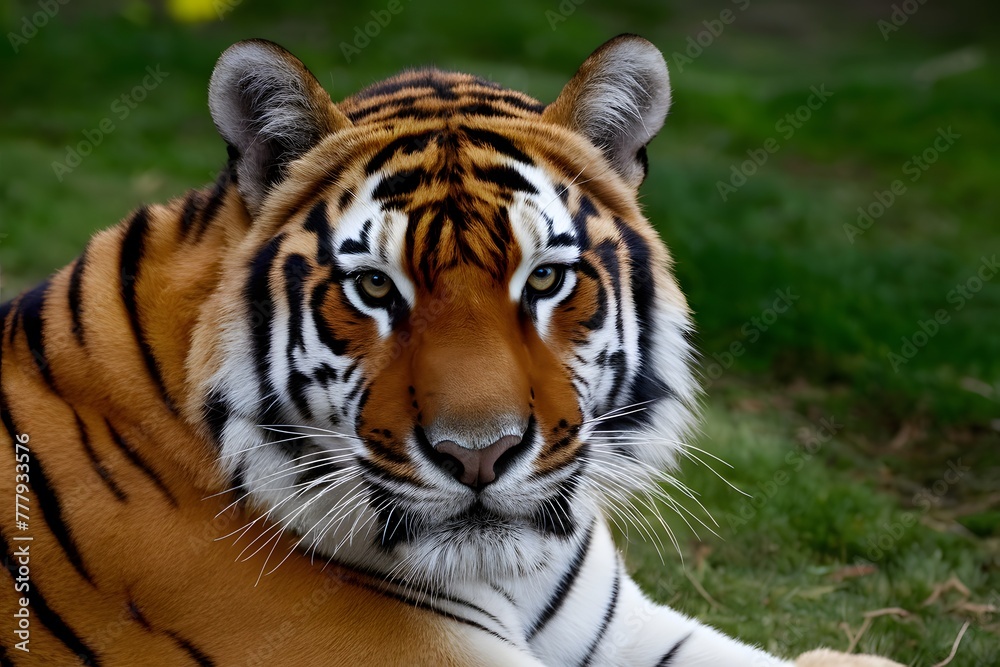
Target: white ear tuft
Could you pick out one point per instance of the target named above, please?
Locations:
(618, 99)
(271, 110)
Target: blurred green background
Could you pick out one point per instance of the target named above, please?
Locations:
(874, 478)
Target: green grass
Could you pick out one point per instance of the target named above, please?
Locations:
(784, 229)
(777, 572)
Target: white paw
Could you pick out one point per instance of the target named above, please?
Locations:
(826, 658)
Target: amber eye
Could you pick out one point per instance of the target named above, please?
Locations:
(545, 280)
(375, 284)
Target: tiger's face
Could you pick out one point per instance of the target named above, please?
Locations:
(448, 337)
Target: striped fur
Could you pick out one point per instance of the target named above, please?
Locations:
(236, 449)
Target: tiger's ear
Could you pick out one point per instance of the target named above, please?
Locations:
(270, 109)
(618, 99)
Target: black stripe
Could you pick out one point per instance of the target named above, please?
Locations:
(560, 239)
(326, 334)
(136, 459)
(318, 223)
(216, 414)
(29, 311)
(382, 105)
(49, 618)
(409, 144)
(133, 246)
(506, 177)
(607, 253)
(396, 185)
(48, 501)
(440, 86)
(296, 273)
(437, 595)
(563, 588)
(596, 320)
(580, 219)
(555, 516)
(8, 306)
(497, 142)
(645, 387)
(76, 295)
(238, 482)
(420, 604)
(261, 308)
(5, 660)
(360, 246)
(99, 467)
(138, 616)
(484, 108)
(5, 309)
(331, 177)
(489, 99)
(188, 211)
(198, 656)
(668, 657)
(606, 621)
(211, 208)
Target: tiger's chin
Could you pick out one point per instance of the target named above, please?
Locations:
(475, 545)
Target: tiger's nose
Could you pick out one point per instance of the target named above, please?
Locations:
(478, 467)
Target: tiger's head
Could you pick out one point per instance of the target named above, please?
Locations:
(446, 334)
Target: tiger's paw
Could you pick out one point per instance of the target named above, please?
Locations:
(826, 658)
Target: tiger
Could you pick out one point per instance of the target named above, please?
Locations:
(371, 398)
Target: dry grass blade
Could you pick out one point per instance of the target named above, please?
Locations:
(854, 638)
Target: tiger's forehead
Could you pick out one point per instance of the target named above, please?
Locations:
(453, 194)
(429, 93)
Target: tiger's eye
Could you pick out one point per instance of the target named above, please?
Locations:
(545, 279)
(375, 284)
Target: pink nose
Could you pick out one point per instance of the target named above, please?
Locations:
(476, 467)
